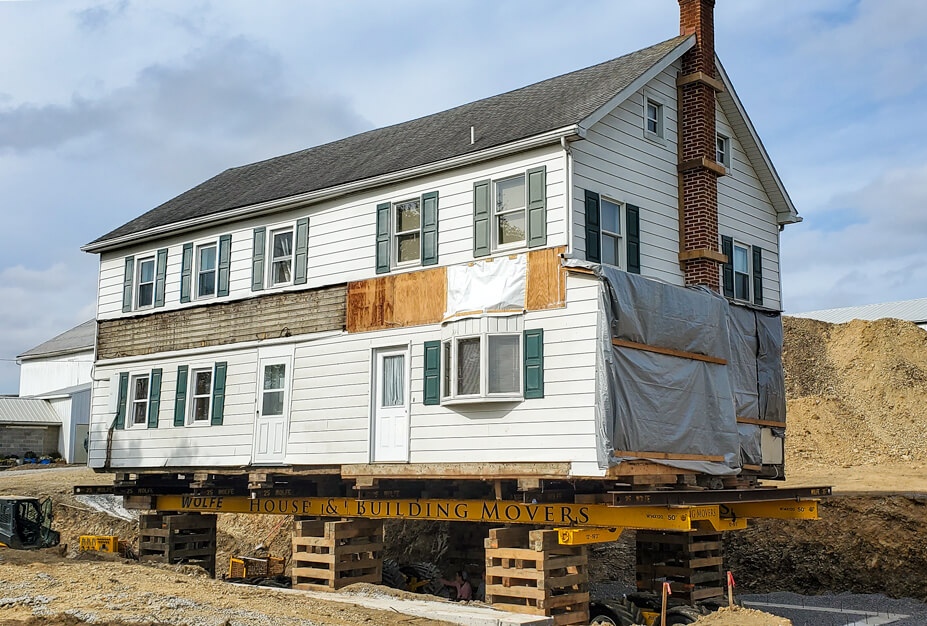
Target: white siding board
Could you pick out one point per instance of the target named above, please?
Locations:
(341, 232)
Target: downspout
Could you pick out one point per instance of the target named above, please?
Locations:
(569, 195)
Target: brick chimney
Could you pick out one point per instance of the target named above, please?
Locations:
(698, 171)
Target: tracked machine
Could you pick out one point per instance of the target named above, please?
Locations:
(25, 523)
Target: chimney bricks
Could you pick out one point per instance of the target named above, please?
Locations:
(698, 184)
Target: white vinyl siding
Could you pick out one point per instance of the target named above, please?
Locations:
(617, 162)
(746, 214)
(342, 231)
(330, 407)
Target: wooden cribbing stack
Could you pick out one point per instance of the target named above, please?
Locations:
(530, 572)
(178, 538)
(690, 561)
(332, 555)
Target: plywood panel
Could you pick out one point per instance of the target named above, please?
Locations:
(397, 301)
(546, 283)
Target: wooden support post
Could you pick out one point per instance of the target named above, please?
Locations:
(331, 555)
(690, 562)
(530, 572)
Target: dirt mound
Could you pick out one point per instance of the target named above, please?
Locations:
(857, 392)
(739, 616)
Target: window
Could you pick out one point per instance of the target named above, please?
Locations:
(144, 297)
(509, 213)
(741, 272)
(611, 232)
(272, 394)
(723, 153)
(139, 389)
(653, 117)
(407, 225)
(482, 366)
(206, 270)
(201, 398)
(281, 256)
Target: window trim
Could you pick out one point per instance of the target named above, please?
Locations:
(494, 241)
(153, 257)
(132, 401)
(484, 395)
(735, 243)
(269, 254)
(191, 395)
(394, 234)
(725, 159)
(622, 241)
(660, 133)
(195, 283)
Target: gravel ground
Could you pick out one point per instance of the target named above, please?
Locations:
(857, 609)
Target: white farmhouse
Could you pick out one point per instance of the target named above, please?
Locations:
(431, 298)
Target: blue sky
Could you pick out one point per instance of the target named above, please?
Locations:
(108, 109)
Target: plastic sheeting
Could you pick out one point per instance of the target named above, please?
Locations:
(652, 402)
(491, 286)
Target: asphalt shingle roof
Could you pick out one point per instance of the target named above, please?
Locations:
(78, 338)
(548, 105)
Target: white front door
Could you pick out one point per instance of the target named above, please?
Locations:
(391, 405)
(273, 411)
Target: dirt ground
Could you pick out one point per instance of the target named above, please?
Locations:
(739, 616)
(46, 585)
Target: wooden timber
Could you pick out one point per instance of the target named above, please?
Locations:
(452, 471)
(621, 343)
(331, 555)
(691, 562)
(546, 282)
(224, 323)
(397, 300)
(530, 572)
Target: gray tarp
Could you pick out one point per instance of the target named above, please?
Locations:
(651, 402)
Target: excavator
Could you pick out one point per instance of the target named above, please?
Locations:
(25, 523)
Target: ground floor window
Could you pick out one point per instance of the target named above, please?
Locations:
(484, 365)
(201, 398)
(140, 386)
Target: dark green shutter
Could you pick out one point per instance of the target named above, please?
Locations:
(154, 398)
(537, 207)
(430, 228)
(218, 393)
(257, 259)
(534, 363)
(180, 399)
(127, 284)
(757, 275)
(633, 219)
(225, 265)
(727, 269)
(481, 219)
(121, 404)
(301, 264)
(160, 277)
(383, 238)
(186, 272)
(593, 228)
(432, 372)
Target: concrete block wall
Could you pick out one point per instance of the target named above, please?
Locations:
(19, 440)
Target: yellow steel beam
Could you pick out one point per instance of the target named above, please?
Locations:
(582, 536)
(681, 518)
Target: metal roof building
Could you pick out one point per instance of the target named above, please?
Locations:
(27, 412)
(908, 310)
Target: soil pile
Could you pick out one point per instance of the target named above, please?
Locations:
(857, 392)
(739, 616)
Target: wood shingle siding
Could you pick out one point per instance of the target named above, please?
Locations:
(263, 317)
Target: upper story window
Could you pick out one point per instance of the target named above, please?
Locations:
(201, 397)
(653, 117)
(723, 152)
(509, 213)
(741, 272)
(611, 232)
(144, 292)
(281, 256)
(206, 259)
(407, 225)
(140, 386)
